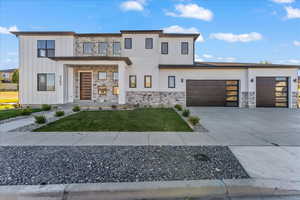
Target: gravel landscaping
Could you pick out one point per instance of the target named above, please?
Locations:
(37, 165)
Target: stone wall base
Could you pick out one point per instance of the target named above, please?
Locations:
(155, 98)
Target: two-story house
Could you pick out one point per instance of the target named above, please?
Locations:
(147, 67)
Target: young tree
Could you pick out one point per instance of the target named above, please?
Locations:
(15, 77)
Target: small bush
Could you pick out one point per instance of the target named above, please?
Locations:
(194, 120)
(186, 113)
(114, 106)
(40, 119)
(59, 113)
(178, 107)
(76, 109)
(46, 107)
(26, 111)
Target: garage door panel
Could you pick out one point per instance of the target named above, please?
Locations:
(212, 92)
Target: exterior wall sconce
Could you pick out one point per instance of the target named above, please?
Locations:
(295, 80)
(182, 80)
(251, 80)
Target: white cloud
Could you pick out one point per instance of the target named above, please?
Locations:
(283, 1)
(294, 61)
(4, 30)
(192, 11)
(230, 37)
(292, 13)
(179, 29)
(226, 59)
(207, 56)
(136, 5)
(198, 58)
(296, 43)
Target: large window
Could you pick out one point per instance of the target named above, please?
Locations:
(164, 48)
(232, 93)
(115, 76)
(87, 48)
(116, 48)
(115, 90)
(171, 81)
(102, 75)
(132, 81)
(103, 46)
(149, 43)
(46, 48)
(148, 81)
(46, 82)
(128, 43)
(184, 48)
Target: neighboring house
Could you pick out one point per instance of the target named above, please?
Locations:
(143, 67)
(6, 75)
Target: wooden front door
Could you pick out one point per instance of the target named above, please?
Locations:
(85, 85)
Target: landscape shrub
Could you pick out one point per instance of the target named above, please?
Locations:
(114, 106)
(194, 120)
(26, 111)
(46, 107)
(178, 107)
(40, 119)
(186, 113)
(59, 113)
(76, 109)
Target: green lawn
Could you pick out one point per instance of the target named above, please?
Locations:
(146, 119)
(5, 114)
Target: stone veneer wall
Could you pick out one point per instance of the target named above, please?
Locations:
(78, 45)
(294, 99)
(109, 98)
(155, 98)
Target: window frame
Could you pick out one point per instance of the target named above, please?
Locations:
(162, 52)
(150, 43)
(113, 90)
(102, 78)
(113, 76)
(46, 49)
(145, 82)
(135, 80)
(92, 44)
(169, 77)
(99, 49)
(102, 88)
(130, 43)
(114, 50)
(46, 82)
(187, 48)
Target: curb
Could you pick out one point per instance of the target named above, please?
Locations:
(145, 190)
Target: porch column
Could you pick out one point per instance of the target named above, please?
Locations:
(121, 84)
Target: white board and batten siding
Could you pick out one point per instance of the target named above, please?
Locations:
(31, 65)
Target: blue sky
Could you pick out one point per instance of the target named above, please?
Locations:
(232, 30)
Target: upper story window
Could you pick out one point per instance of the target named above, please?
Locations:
(87, 48)
(171, 81)
(149, 43)
(103, 46)
(116, 48)
(46, 82)
(164, 48)
(102, 75)
(128, 43)
(184, 48)
(148, 81)
(46, 48)
(115, 76)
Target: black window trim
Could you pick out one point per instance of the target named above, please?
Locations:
(145, 81)
(187, 50)
(130, 43)
(169, 81)
(146, 43)
(91, 48)
(99, 49)
(38, 86)
(46, 49)
(114, 49)
(132, 76)
(162, 48)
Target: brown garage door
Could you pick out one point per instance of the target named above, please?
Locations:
(271, 92)
(85, 85)
(212, 93)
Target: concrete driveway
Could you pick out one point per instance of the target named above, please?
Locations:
(260, 126)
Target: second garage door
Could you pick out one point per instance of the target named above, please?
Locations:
(212, 93)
